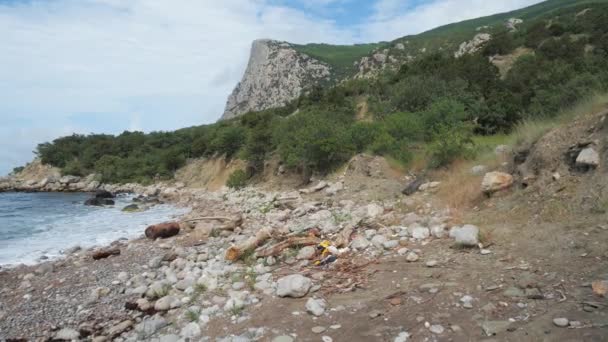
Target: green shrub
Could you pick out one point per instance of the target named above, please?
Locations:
(237, 179)
(451, 142)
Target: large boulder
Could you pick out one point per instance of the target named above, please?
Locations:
(588, 158)
(496, 181)
(295, 286)
(103, 194)
(163, 230)
(466, 236)
(99, 202)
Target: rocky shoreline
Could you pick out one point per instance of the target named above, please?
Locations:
(171, 289)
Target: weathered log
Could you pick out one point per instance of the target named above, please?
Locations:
(343, 238)
(295, 241)
(106, 252)
(216, 218)
(163, 230)
(234, 253)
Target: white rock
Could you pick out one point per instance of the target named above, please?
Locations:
(438, 231)
(360, 242)
(588, 157)
(561, 322)
(122, 276)
(306, 253)
(374, 210)
(190, 330)
(316, 306)
(294, 285)
(390, 244)
(183, 284)
(67, 334)
(402, 337)
(166, 303)
(437, 329)
(412, 257)
(467, 301)
(420, 233)
(379, 240)
(467, 235)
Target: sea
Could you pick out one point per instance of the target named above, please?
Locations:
(41, 226)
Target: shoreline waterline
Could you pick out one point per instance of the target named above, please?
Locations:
(37, 227)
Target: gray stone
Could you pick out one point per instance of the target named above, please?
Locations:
(438, 231)
(467, 235)
(191, 330)
(45, 268)
(316, 306)
(412, 257)
(514, 292)
(166, 303)
(360, 242)
(120, 328)
(306, 253)
(283, 338)
(561, 322)
(184, 284)
(402, 337)
(295, 286)
(151, 325)
(318, 329)
(379, 240)
(436, 329)
(491, 328)
(67, 334)
(420, 233)
(169, 338)
(390, 244)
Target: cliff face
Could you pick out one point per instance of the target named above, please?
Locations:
(275, 75)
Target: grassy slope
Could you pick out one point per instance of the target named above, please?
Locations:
(341, 57)
(449, 37)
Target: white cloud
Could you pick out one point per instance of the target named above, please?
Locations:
(111, 65)
(173, 63)
(396, 18)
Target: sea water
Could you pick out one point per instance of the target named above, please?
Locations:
(36, 226)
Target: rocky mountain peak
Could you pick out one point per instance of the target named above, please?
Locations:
(276, 74)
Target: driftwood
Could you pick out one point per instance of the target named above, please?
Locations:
(163, 230)
(276, 249)
(234, 253)
(215, 218)
(231, 222)
(106, 252)
(343, 238)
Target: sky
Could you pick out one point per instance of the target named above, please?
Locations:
(106, 66)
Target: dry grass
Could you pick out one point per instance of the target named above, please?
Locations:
(529, 131)
(459, 189)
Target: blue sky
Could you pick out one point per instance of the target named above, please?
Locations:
(105, 66)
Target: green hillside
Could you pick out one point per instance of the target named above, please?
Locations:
(435, 106)
(448, 37)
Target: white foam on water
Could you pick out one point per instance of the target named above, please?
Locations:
(95, 226)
